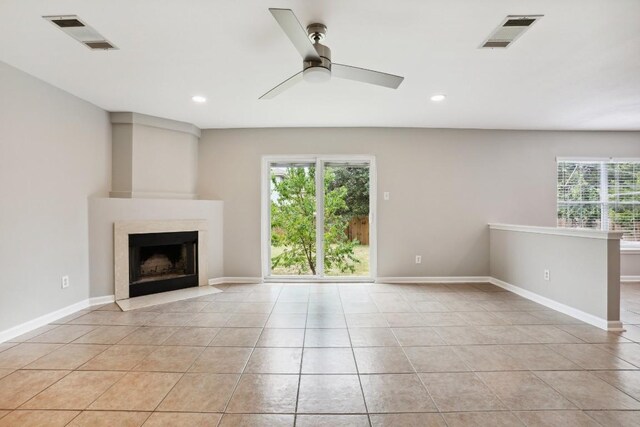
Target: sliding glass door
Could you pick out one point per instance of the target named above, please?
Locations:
(346, 219)
(293, 212)
(318, 221)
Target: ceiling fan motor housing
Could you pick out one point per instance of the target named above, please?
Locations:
(318, 71)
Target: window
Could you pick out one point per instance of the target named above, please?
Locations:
(600, 194)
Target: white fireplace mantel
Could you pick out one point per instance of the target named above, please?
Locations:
(121, 232)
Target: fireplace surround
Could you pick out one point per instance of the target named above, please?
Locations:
(158, 256)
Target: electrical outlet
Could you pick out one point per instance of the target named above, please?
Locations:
(65, 282)
(547, 275)
(418, 259)
(386, 195)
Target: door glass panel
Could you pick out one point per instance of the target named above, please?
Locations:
(293, 219)
(346, 219)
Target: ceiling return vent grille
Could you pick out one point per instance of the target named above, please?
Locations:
(509, 30)
(79, 30)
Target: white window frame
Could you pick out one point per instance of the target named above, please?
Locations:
(625, 245)
(319, 160)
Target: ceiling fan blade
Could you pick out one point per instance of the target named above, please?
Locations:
(298, 36)
(290, 82)
(366, 76)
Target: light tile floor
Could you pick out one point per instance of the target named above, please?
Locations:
(327, 355)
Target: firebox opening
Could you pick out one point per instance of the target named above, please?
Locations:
(160, 262)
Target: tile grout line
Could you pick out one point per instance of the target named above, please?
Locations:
(417, 374)
(306, 320)
(355, 362)
(613, 385)
(511, 411)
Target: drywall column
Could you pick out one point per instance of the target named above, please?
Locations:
(153, 157)
(583, 269)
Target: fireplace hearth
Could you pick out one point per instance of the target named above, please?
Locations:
(161, 262)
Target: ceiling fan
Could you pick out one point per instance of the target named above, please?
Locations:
(316, 58)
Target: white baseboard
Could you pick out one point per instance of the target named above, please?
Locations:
(449, 279)
(222, 280)
(29, 326)
(562, 308)
(101, 300)
(625, 279)
(320, 281)
(615, 326)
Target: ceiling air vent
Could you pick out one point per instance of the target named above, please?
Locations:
(99, 45)
(509, 30)
(67, 23)
(79, 30)
(495, 44)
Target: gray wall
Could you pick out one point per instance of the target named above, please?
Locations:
(584, 272)
(630, 264)
(445, 185)
(55, 151)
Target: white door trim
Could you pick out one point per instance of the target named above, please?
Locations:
(319, 217)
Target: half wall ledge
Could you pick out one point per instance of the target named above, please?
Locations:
(575, 271)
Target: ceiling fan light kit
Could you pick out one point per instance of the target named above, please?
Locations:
(316, 74)
(316, 58)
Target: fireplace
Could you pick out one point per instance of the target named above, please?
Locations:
(132, 281)
(160, 262)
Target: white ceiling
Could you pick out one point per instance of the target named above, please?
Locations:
(577, 68)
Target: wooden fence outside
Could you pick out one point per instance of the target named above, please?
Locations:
(358, 228)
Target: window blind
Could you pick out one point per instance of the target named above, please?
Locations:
(600, 195)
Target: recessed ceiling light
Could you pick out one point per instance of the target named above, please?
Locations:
(438, 98)
(199, 99)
